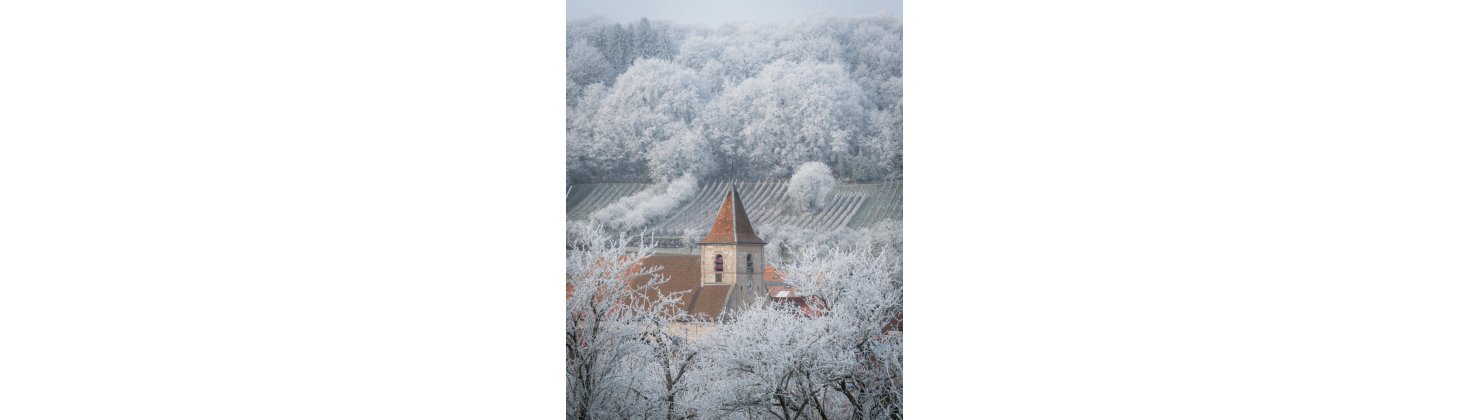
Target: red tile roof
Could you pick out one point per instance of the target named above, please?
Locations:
(709, 303)
(732, 226)
(773, 276)
(779, 292)
(705, 303)
(683, 274)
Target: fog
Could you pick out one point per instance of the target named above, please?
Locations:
(726, 11)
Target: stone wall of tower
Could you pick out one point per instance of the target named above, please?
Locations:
(751, 288)
(747, 281)
(735, 263)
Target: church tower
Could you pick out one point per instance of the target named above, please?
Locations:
(732, 254)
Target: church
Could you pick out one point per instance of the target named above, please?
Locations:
(730, 271)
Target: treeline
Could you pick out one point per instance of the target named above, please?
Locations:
(653, 101)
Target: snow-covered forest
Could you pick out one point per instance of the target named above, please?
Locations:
(651, 101)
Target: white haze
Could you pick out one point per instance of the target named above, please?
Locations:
(714, 12)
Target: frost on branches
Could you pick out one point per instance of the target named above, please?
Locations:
(810, 186)
(637, 210)
(837, 356)
(623, 360)
(648, 101)
(842, 357)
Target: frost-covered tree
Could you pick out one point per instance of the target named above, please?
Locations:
(649, 104)
(789, 114)
(810, 186)
(824, 89)
(874, 55)
(878, 154)
(859, 291)
(653, 203)
(667, 362)
(691, 237)
(839, 357)
(686, 153)
(613, 311)
(769, 363)
(622, 44)
(586, 65)
(581, 136)
(785, 239)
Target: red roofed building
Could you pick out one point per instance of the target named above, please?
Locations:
(728, 274)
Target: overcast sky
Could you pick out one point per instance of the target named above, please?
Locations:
(714, 12)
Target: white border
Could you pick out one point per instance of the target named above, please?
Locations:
(336, 209)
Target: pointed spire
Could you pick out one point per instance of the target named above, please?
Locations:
(731, 224)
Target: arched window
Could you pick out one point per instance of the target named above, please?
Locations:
(749, 264)
(719, 263)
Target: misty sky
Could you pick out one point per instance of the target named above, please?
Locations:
(714, 12)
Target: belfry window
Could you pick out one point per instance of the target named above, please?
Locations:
(749, 264)
(719, 263)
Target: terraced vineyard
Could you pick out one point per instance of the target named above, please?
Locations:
(849, 205)
(886, 202)
(591, 197)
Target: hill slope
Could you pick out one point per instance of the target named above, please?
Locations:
(849, 205)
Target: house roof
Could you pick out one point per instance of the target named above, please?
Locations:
(773, 276)
(732, 226)
(781, 294)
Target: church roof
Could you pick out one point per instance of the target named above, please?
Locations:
(682, 272)
(703, 303)
(732, 226)
(709, 302)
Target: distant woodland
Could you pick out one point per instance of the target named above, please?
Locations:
(658, 101)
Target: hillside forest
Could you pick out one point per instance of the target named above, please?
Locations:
(651, 101)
